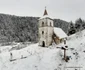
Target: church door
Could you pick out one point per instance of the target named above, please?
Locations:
(43, 44)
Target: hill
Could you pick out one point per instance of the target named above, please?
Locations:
(34, 57)
(22, 29)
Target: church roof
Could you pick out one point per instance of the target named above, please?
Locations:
(45, 12)
(45, 15)
(59, 32)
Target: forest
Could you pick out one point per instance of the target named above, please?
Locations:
(25, 29)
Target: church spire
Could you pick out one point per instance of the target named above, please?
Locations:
(45, 12)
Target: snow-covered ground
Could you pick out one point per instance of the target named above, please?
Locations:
(34, 57)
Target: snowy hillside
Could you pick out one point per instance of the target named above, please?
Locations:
(76, 44)
(33, 57)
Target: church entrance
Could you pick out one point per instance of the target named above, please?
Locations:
(43, 44)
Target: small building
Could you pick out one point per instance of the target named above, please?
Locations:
(59, 35)
(48, 33)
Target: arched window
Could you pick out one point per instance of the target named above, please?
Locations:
(42, 24)
(50, 24)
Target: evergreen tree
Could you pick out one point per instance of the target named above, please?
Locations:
(71, 29)
(79, 24)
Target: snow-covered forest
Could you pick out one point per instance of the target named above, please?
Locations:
(22, 29)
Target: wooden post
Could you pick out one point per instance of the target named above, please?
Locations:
(65, 49)
(11, 56)
(64, 41)
(64, 54)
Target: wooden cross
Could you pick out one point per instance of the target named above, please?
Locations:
(64, 48)
(65, 57)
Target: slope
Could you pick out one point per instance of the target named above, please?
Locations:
(34, 57)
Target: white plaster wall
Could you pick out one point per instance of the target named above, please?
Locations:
(43, 37)
(48, 31)
(48, 22)
(43, 20)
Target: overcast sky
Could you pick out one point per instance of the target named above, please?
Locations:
(61, 9)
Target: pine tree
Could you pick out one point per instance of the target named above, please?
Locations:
(72, 29)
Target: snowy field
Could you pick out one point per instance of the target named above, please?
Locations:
(34, 57)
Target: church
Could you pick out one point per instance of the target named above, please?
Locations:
(48, 33)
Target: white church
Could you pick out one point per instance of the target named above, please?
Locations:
(48, 33)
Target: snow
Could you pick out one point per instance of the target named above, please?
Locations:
(59, 32)
(34, 57)
(45, 16)
(76, 44)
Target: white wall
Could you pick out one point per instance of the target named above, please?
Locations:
(48, 31)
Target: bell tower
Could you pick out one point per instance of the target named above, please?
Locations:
(45, 30)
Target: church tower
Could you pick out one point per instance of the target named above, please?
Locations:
(45, 30)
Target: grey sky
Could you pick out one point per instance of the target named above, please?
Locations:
(61, 9)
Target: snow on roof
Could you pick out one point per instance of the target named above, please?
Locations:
(59, 32)
(45, 16)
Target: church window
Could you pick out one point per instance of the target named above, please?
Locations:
(42, 32)
(42, 24)
(50, 23)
